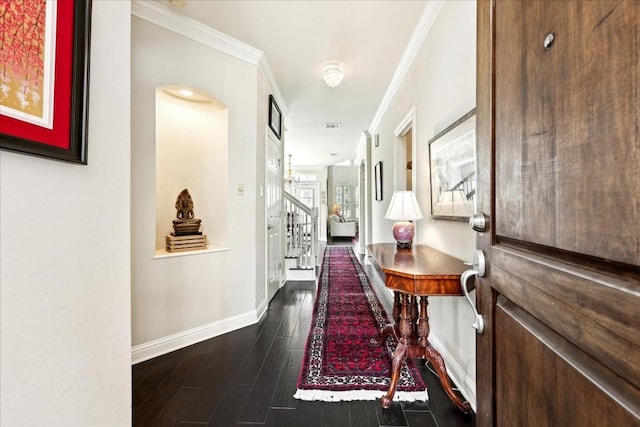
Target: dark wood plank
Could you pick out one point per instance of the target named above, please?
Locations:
(442, 408)
(264, 387)
(230, 406)
(309, 414)
(336, 414)
(254, 358)
(301, 332)
(222, 365)
(418, 419)
(147, 411)
(280, 417)
(180, 404)
(199, 403)
(151, 374)
(288, 381)
(362, 413)
(394, 416)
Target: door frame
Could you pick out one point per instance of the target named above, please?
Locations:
(485, 296)
(270, 137)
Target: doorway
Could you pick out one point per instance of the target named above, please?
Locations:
(404, 153)
(274, 216)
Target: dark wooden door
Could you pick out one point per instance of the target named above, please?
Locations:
(558, 128)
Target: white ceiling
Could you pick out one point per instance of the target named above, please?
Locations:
(298, 38)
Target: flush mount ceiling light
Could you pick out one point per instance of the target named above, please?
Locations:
(332, 75)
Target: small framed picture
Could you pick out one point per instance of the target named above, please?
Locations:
(275, 117)
(378, 180)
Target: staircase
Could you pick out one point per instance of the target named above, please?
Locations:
(301, 239)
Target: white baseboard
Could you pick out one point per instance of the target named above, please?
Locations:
(261, 309)
(160, 346)
(465, 384)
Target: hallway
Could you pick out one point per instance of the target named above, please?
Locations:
(249, 377)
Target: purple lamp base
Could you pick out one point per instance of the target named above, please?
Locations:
(403, 233)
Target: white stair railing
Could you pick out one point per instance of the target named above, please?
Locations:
(301, 224)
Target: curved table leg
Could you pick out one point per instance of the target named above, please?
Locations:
(385, 333)
(438, 363)
(398, 357)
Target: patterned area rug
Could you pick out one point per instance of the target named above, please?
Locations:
(339, 362)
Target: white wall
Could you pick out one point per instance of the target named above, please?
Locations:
(440, 84)
(64, 260)
(184, 299)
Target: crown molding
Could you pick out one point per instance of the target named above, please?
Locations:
(431, 11)
(166, 17)
(171, 20)
(265, 71)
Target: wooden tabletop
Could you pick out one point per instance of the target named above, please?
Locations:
(421, 270)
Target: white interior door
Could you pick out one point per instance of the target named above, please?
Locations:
(274, 216)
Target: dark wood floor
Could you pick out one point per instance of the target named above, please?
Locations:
(249, 377)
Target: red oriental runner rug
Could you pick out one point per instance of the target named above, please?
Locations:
(339, 361)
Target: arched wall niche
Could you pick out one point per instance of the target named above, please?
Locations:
(192, 153)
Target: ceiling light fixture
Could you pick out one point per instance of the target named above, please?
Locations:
(187, 94)
(332, 75)
(292, 178)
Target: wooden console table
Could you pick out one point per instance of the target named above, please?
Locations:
(415, 273)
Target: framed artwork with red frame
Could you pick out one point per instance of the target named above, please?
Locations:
(44, 52)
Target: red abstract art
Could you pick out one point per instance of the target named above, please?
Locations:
(43, 103)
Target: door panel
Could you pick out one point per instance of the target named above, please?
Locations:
(274, 217)
(559, 177)
(589, 309)
(562, 182)
(538, 362)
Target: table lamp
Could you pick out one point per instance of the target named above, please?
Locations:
(403, 208)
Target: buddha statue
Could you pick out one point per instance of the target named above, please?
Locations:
(185, 223)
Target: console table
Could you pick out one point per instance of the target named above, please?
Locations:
(413, 274)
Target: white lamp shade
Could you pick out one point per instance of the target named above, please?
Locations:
(403, 207)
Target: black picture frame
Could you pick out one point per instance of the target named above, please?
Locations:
(377, 172)
(452, 160)
(22, 137)
(275, 117)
